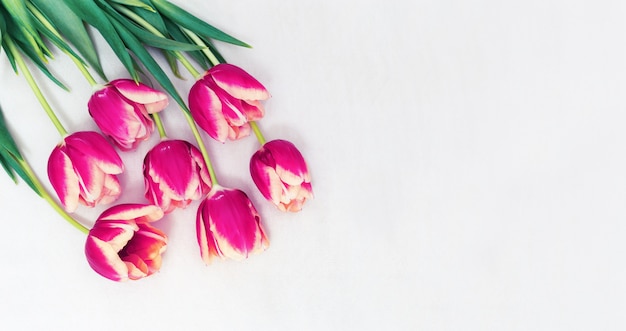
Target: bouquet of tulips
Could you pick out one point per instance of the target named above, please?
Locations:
(225, 102)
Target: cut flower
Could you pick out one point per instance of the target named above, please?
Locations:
(121, 110)
(224, 100)
(122, 245)
(83, 168)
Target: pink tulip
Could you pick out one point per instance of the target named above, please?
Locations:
(121, 109)
(229, 226)
(83, 168)
(280, 173)
(175, 174)
(122, 245)
(225, 100)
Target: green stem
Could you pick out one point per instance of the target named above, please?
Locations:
(33, 85)
(207, 52)
(257, 132)
(46, 196)
(159, 125)
(201, 146)
(53, 30)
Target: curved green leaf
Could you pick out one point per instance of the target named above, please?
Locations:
(89, 11)
(149, 63)
(148, 37)
(72, 28)
(192, 23)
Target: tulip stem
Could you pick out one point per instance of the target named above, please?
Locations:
(159, 125)
(207, 52)
(50, 27)
(46, 196)
(33, 85)
(201, 146)
(257, 132)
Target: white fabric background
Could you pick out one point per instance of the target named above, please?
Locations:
(468, 165)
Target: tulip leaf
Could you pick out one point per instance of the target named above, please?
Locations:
(3, 27)
(72, 28)
(149, 63)
(151, 16)
(192, 23)
(10, 157)
(147, 37)
(20, 15)
(51, 34)
(135, 3)
(89, 11)
(177, 34)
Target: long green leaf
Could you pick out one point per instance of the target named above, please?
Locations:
(93, 15)
(192, 23)
(151, 16)
(19, 13)
(10, 156)
(72, 28)
(149, 63)
(147, 37)
(55, 39)
(177, 34)
(134, 3)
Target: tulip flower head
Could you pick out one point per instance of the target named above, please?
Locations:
(224, 100)
(121, 110)
(122, 245)
(175, 174)
(83, 168)
(228, 226)
(280, 173)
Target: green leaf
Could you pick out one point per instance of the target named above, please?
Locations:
(149, 63)
(72, 28)
(3, 26)
(192, 23)
(177, 34)
(148, 37)
(135, 3)
(39, 63)
(54, 38)
(10, 157)
(96, 17)
(19, 13)
(151, 16)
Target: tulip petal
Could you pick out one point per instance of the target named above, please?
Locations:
(238, 83)
(97, 148)
(63, 179)
(291, 168)
(206, 109)
(241, 234)
(140, 213)
(103, 258)
(154, 100)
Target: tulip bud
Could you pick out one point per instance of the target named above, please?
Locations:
(224, 100)
(83, 168)
(122, 245)
(228, 226)
(121, 110)
(280, 173)
(175, 174)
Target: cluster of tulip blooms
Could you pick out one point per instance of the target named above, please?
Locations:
(225, 102)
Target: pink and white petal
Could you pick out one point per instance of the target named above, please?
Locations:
(206, 109)
(138, 212)
(63, 179)
(200, 165)
(171, 166)
(238, 132)
(202, 234)
(290, 165)
(232, 108)
(90, 178)
(232, 223)
(261, 175)
(154, 100)
(238, 83)
(253, 110)
(98, 148)
(137, 268)
(104, 259)
(112, 190)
